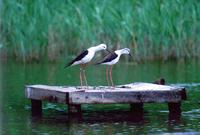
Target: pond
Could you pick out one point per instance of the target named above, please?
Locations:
(15, 111)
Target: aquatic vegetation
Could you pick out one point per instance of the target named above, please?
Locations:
(155, 29)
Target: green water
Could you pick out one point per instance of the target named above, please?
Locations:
(15, 116)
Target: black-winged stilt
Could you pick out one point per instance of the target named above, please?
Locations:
(112, 59)
(84, 58)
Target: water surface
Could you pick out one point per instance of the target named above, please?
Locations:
(15, 116)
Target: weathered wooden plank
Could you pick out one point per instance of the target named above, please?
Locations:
(45, 95)
(55, 88)
(48, 93)
(124, 97)
(120, 88)
(140, 86)
(130, 93)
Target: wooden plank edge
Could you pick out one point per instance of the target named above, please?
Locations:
(50, 98)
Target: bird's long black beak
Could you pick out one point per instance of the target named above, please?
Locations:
(130, 56)
(108, 51)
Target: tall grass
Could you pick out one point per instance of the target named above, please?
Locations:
(153, 29)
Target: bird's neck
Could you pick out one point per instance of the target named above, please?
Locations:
(118, 52)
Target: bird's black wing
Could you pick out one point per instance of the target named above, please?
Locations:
(79, 57)
(108, 58)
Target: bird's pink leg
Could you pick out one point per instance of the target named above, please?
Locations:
(111, 80)
(84, 65)
(81, 77)
(107, 78)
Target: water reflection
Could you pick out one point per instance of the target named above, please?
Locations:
(108, 117)
(93, 117)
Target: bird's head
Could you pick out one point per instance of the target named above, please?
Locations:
(102, 47)
(125, 51)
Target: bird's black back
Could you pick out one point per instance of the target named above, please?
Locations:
(79, 57)
(108, 58)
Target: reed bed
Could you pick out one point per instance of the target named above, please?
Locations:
(153, 29)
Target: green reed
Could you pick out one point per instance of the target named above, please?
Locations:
(153, 29)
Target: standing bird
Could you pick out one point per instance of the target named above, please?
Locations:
(84, 58)
(110, 60)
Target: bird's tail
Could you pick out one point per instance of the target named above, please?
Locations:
(67, 65)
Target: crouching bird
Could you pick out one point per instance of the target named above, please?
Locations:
(161, 81)
(84, 58)
(110, 60)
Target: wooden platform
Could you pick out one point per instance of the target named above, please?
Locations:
(134, 94)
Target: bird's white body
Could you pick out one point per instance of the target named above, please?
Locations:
(86, 59)
(90, 55)
(114, 61)
(118, 53)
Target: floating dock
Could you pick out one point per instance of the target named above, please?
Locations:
(135, 94)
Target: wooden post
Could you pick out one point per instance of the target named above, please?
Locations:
(36, 107)
(137, 107)
(137, 112)
(74, 108)
(174, 108)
